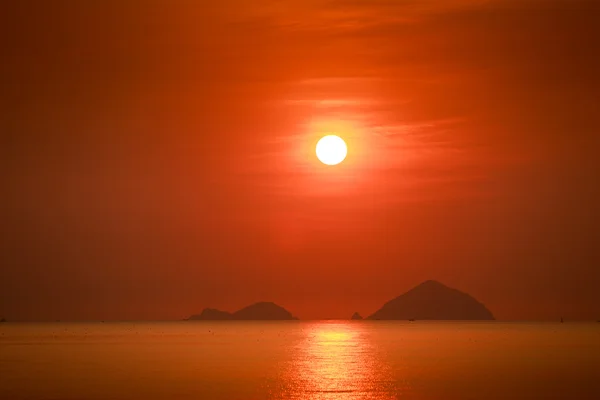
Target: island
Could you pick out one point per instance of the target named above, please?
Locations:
(262, 311)
(356, 316)
(432, 300)
(212, 314)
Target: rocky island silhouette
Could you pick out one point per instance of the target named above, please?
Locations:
(356, 316)
(432, 300)
(262, 311)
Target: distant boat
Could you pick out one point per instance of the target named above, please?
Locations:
(562, 320)
(412, 320)
(3, 320)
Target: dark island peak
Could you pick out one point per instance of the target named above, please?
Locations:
(432, 300)
(212, 314)
(431, 283)
(262, 311)
(356, 316)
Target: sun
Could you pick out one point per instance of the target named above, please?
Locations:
(331, 150)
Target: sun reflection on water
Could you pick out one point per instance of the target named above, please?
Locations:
(337, 360)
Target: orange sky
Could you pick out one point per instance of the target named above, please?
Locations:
(159, 156)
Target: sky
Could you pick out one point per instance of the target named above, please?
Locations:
(157, 157)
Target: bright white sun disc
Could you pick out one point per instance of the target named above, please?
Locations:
(331, 150)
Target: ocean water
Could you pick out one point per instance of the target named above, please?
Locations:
(299, 360)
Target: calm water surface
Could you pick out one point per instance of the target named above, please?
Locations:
(299, 360)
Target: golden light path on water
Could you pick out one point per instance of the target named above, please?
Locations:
(337, 361)
(276, 360)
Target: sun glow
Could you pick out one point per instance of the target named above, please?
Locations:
(331, 150)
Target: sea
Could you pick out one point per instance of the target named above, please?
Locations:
(299, 360)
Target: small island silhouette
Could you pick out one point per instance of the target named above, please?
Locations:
(432, 300)
(262, 311)
(356, 316)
